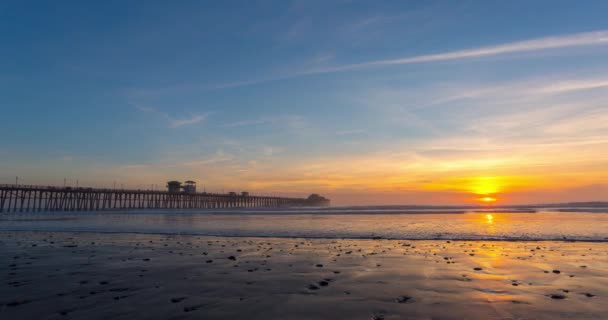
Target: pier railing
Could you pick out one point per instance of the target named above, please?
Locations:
(31, 198)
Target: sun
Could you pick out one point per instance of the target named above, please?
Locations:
(487, 199)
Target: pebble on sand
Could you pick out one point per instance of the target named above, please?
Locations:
(403, 299)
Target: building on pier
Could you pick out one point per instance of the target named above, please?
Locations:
(174, 186)
(317, 201)
(189, 187)
(177, 187)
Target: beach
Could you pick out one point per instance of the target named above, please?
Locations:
(304, 160)
(79, 275)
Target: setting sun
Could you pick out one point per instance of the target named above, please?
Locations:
(487, 199)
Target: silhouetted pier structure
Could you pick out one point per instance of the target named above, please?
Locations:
(21, 198)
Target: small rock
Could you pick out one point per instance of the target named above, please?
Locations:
(16, 303)
(403, 299)
(189, 309)
(179, 299)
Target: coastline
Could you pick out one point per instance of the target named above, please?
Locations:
(545, 226)
(304, 237)
(66, 275)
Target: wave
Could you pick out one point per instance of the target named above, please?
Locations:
(329, 237)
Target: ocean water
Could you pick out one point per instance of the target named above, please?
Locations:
(582, 224)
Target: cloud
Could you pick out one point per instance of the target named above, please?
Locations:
(173, 123)
(291, 121)
(539, 88)
(599, 37)
(351, 132)
(250, 122)
(145, 109)
(219, 157)
(268, 151)
(177, 123)
(557, 115)
(546, 43)
(576, 85)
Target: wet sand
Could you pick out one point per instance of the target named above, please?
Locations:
(57, 275)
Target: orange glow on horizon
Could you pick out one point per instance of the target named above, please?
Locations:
(484, 186)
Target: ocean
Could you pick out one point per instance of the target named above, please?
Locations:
(387, 222)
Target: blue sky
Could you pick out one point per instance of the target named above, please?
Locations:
(394, 100)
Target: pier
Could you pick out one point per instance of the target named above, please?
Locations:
(21, 198)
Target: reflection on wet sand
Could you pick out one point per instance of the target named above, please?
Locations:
(100, 276)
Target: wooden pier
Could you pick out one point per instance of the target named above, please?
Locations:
(20, 198)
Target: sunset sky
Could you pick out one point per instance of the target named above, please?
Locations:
(366, 102)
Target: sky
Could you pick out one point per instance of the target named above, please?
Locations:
(365, 102)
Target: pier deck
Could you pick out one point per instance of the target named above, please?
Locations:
(21, 198)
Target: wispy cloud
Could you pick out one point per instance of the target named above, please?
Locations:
(351, 132)
(575, 85)
(546, 43)
(177, 123)
(594, 38)
(173, 122)
(219, 157)
(518, 90)
(553, 112)
(292, 121)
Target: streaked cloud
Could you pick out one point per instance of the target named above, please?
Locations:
(291, 121)
(318, 64)
(351, 132)
(219, 157)
(174, 122)
(575, 85)
(520, 89)
(555, 42)
(177, 123)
